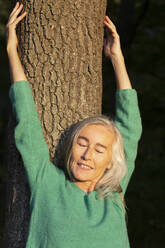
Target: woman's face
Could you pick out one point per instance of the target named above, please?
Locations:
(91, 153)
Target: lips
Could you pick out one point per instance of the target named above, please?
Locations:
(84, 166)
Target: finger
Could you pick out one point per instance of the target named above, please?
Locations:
(108, 20)
(110, 26)
(106, 46)
(20, 18)
(15, 8)
(16, 13)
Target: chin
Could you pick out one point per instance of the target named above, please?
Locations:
(80, 177)
(81, 174)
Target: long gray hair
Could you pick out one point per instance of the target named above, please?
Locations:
(110, 181)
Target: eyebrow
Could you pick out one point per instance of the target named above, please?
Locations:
(86, 139)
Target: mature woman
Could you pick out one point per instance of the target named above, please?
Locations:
(81, 207)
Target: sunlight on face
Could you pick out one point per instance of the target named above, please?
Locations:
(91, 153)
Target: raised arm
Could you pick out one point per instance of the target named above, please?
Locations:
(127, 112)
(112, 50)
(16, 69)
(28, 133)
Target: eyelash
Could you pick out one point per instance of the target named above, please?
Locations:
(98, 151)
(83, 145)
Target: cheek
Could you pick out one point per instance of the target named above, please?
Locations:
(108, 156)
(76, 153)
(103, 162)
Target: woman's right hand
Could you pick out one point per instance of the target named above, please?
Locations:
(14, 19)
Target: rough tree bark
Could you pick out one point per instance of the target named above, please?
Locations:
(61, 50)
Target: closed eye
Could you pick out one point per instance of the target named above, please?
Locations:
(99, 151)
(81, 141)
(83, 145)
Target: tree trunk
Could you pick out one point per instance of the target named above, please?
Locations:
(61, 50)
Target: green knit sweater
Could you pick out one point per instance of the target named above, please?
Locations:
(62, 215)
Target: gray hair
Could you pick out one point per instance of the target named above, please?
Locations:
(110, 181)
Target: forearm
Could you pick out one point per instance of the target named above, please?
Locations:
(16, 68)
(28, 134)
(122, 78)
(129, 123)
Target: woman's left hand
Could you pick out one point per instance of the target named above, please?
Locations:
(112, 48)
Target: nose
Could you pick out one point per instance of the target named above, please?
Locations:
(87, 155)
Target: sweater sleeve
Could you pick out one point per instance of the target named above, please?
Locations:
(28, 132)
(129, 123)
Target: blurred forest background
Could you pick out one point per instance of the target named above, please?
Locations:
(145, 59)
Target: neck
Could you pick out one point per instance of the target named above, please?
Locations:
(87, 187)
